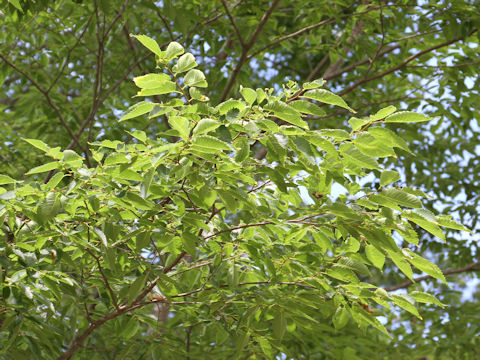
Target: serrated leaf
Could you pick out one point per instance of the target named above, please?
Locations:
(151, 81)
(350, 152)
(149, 43)
(249, 95)
(137, 110)
(382, 113)
(189, 243)
(4, 179)
(401, 198)
(54, 181)
(406, 117)
(210, 142)
(44, 168)
(135, 288)
(388, 177)
(424, 265)
(387, 136)
(38, 144)
(372, 146)
(342, 273)
(341, 317)
(279, 325)
(376, 257)
(174, 49)
(425, 298)
(243, 150)
(424, 222)
(185, 63)
(286, 113)
(313, 84)
(446, 221)
(181, 125)
(406, 303)
(403, 265)
(195, 78)
(327, 97)
(204, 126)
(307, 107)
(166, 87)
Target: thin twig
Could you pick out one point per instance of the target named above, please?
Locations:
(471, 267)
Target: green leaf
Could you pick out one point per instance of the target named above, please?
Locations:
(327, 97)
(174, 49)
(135, 288)
(4, 179)
(243, 150)
(286, 113)
(210, 142)
(388, 177)
(279, 325)
(195, 78)
(424, 222)
(44, 168)
(249, 95)
(189, 243)
(382, 113)
(16, 3)
(54, 181)
(137, 110)
(376, 257)
(424, 265)
(166, 87)
(425, 298)
(446, 221)
(185, 63)
(342, 273)
(38, 144)
(307, 107)
(181, 124)
(204, 126)
(401, 197)
(149, 43)
(151, 81)
(387, 136)
(406, 303)
(406, 117)
(401, 263)
(357, 158)
(341, 317)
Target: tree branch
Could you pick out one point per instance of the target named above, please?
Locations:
(49, 101)
(246, 48)
(234, 24)
(400, 66)
(407, 283)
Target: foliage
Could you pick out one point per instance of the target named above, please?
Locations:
(203, 224)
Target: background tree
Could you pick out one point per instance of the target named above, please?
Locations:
(66, 70)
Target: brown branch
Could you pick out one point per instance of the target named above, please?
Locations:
(407, 283)
(246, 48)
(359, 63)
(401, 65)
(105, 280)
(291, 35)
(237, 227)
(234, 24)
(49, 101)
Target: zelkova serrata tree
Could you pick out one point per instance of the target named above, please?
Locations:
(249, 252)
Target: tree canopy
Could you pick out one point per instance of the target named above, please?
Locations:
(247, 179)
